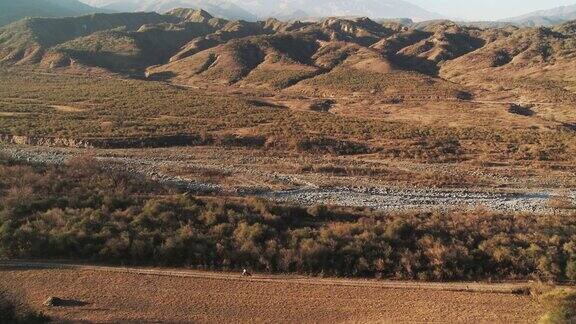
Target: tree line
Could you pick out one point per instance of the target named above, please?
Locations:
(83, 211)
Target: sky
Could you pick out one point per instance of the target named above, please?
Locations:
(485, 9)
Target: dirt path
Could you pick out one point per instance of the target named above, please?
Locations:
(112, 295)
(506, 288)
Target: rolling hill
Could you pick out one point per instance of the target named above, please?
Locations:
(28, 40)
(11, 11)
(333, 57)
(538, 63)
(327, 58)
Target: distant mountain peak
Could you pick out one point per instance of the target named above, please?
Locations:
(283, 9)
(218, 8)
(548, 17)
(199, 15)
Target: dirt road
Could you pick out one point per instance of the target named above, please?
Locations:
(105, 294)
(507, 288)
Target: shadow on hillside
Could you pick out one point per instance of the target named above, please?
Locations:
(569, 126)
(417, 64)
(264, 104)
(161, 76)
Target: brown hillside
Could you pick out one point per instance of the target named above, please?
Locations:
(229, 63)
(342, 61)
(28, 39)
(536, 64)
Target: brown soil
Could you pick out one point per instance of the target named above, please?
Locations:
(115, 297)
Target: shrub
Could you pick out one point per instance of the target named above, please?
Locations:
(325, 145)
(560, 305)
(11, 312)
(82, 211)
(501, 57)
(520, 110)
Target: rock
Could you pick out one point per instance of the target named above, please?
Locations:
(54, 302)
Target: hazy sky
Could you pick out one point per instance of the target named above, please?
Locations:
(486, 9)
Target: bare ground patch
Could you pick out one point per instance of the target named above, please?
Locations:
(113, 297)
(67, 109)
(12, 114)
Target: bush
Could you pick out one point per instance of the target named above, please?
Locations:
(560, 305)
(501, 57)
(84, 212)
(10, 312)
(520, 110)
(325, 145)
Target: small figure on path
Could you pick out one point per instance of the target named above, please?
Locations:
(246, 273)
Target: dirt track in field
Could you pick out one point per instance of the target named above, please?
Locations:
(120, 296)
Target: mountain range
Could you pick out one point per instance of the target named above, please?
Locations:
(194, 47)
(221, 8)
(252, 10)
(546, 17)
(345, 66)
(13, 10)
(332, 8)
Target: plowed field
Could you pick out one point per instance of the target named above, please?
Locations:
(112, 296)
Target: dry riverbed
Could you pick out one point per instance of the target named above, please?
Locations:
(253, 180)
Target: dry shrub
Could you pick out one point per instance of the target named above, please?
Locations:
(560, 305)
(110, 217)
(326, 145)
(241, 141)
(520, 110)
(12, 310)
(429, 149)
(562, 200)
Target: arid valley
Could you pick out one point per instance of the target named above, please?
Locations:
(359, 169)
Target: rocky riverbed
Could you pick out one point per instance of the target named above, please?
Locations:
(304, 193)
(393, 199)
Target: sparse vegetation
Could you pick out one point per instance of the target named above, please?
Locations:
(115, 109)
(563, 200)
(560, 306)
(397, 84)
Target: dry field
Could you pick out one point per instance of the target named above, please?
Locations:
(207, 297)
